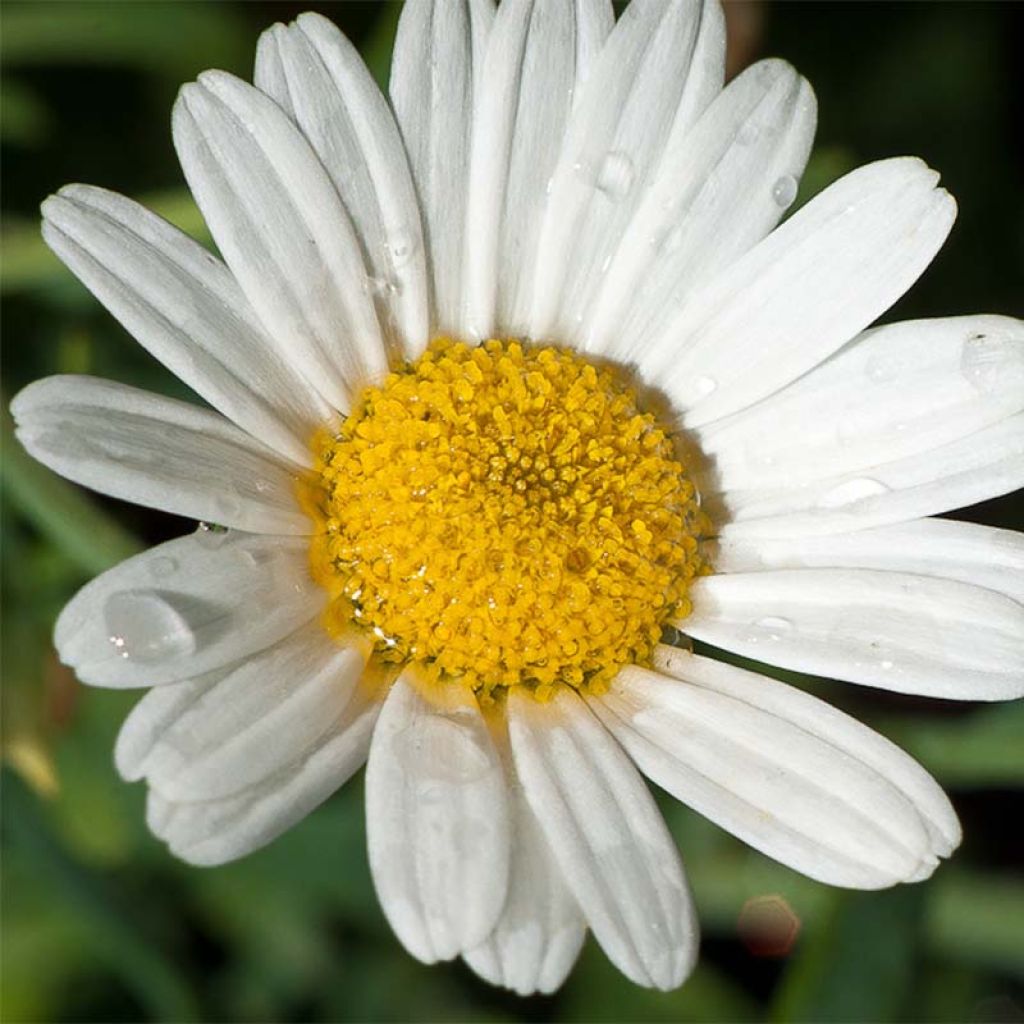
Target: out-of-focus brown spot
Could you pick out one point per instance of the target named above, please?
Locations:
(744, 30)
(62, 691)
(768, 926)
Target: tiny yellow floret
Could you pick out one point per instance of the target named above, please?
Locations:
(504, 514)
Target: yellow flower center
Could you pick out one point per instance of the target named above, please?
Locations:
(503, 515)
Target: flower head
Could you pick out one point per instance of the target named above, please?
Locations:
(513, 378)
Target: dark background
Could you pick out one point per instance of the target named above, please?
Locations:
(100, 924)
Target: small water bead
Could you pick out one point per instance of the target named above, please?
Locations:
(144, 626)
(784, 191)
(748, 134)
(162, 568)
(851, 491)
(775, 626)
(991, 361)
(401, 247)
(704, 386)
(211, 535)
(380, 287)
(616, 175)
(228, 505)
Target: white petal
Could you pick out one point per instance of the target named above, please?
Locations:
(952, 550)
(437, 820)
(315, 74)
(538, 53)
(157, 452)
(897, 631)
(608, 837)
(183, 306)
(982, 465)
(256, 719)
(437, 64)
(217, 831)
(894, 392)
(282, 230)
(662, 65)
(187, 607)
(541, 930)
(803, 292)
(719, 190)
(796, 779)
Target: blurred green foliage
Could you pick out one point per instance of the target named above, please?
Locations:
(100, 924)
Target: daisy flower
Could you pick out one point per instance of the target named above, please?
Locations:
(510, 377)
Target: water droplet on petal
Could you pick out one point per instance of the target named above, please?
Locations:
(162, 567)
(748, 134)
(774, 625)
(704, 386)
(883, 367)
(888, 664)
(401, 247)
(990, 361)
(379, 287)
(144, 626)
(850, 491)
(615, 178)
(258, 554)
(211, 535)
(784, 191)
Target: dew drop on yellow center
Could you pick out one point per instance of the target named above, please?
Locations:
(504, 514)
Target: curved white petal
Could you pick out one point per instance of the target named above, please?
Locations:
(807, 289)
(608, 837)
(282, 230)
(253, 721)
(894, 392)
(982, 465)
(436, 68)
(437, 820)
(796, 779)
(538, 53)
(541, 930)
(187, 607)
(893, 630)
(662, 65)
(157, 452)
(213, 832)
(185, 308)
(315, 74)
(981, 555)
(719, 190)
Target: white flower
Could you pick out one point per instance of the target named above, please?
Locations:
(501, 519)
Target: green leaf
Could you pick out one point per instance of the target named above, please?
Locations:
(981, 749)
(977, 918)
(857, 962)
(173, 39)
(117, 938)
(26, 120)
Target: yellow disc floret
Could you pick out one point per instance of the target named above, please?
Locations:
(501, 515)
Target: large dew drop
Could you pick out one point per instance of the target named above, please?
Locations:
(784, 191)
(143, 626)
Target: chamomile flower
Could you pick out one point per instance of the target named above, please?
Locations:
(507, 380)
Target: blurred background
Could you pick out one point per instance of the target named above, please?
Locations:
(101, 924)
